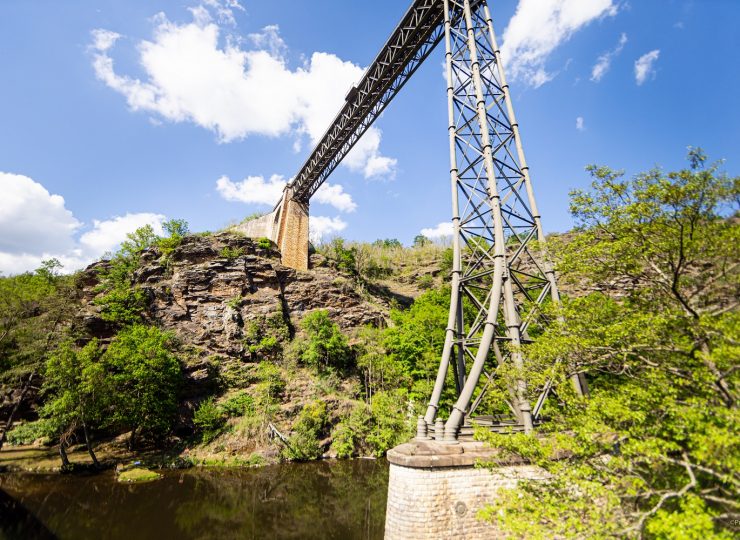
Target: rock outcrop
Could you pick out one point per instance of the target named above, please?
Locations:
(210, 287)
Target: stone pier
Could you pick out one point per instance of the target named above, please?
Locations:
(287, 227)
(435, 490)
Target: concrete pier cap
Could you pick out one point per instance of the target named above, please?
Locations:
(435, 490)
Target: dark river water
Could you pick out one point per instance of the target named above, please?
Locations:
(326, 499)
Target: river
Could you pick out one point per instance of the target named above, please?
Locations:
(325, 499)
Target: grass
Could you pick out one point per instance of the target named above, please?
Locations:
(138, 475)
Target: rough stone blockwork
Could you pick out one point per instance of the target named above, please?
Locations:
(439, 503)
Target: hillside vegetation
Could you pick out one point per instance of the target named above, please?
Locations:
(202, 348)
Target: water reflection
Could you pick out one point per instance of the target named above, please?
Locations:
(344, 499)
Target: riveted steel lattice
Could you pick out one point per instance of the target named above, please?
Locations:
(496, 268)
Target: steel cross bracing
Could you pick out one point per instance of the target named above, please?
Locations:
(498, 267)
(419, 31)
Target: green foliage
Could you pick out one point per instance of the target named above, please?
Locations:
(271, 380)
(420, 241)
(324, 344)
(33, 306)
(77, 389)
(303, 444)
(415, 340)
(379, 370)
(390, 243)
(146, 376)
(176, 230)
(264, 336)
(28, 432)
(231, 253)
(210, 419)
(376, 428)
(123, 305)
(447, 261)
(240, 404)
(264, 243)
(426, 282)
(656, 445)
(345, 258)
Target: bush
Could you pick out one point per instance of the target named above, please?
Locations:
(28, 432)
(325, 345)
(209, 419)
(264, 243)
(303, 444)
(231, 253)
(239, 405)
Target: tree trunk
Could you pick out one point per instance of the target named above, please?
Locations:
(9, 421)
(63, 452)
(89, 446)
(132, 440)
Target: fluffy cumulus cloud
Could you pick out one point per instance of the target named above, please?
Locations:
(252, 190)
(442, 230)
(36, 225)
(200, 72)
(321, 227)
(257, 190)
(604, 62)
(538, 27)
(645, 66)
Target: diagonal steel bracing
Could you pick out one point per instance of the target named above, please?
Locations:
(500, 278)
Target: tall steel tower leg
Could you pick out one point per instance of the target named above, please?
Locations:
(497, 272)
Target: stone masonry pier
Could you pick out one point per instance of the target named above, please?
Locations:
(435, 490)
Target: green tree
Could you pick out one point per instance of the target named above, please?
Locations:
(414, 342)
(420, 240)
(77, 391)
(34, 307)
(324, 345)
(656, 448)
(146, 376)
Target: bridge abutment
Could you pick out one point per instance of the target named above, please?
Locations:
(435, 490)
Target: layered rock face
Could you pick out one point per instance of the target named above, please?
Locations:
(210, 288)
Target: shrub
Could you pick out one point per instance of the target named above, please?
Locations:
(325, 345)
(264, 243)
(28, 432)
(238, 405)
(231, 253)
(209, 419)
(303, 444)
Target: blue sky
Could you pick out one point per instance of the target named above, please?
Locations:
(115, 114)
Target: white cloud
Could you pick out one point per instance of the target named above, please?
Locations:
(644, 66)
(257, 190)
(321, 227)
(442, 230)
(35, 225)
(32, 220)
(253, 189)
(579, 124)
(108, 234)
(335, 195)
(603, 63)
(198, 72)
(538, 27)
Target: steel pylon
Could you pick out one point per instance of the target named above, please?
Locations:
(500, 275)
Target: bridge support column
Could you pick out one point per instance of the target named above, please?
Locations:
(435, 490)
(292, 235)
